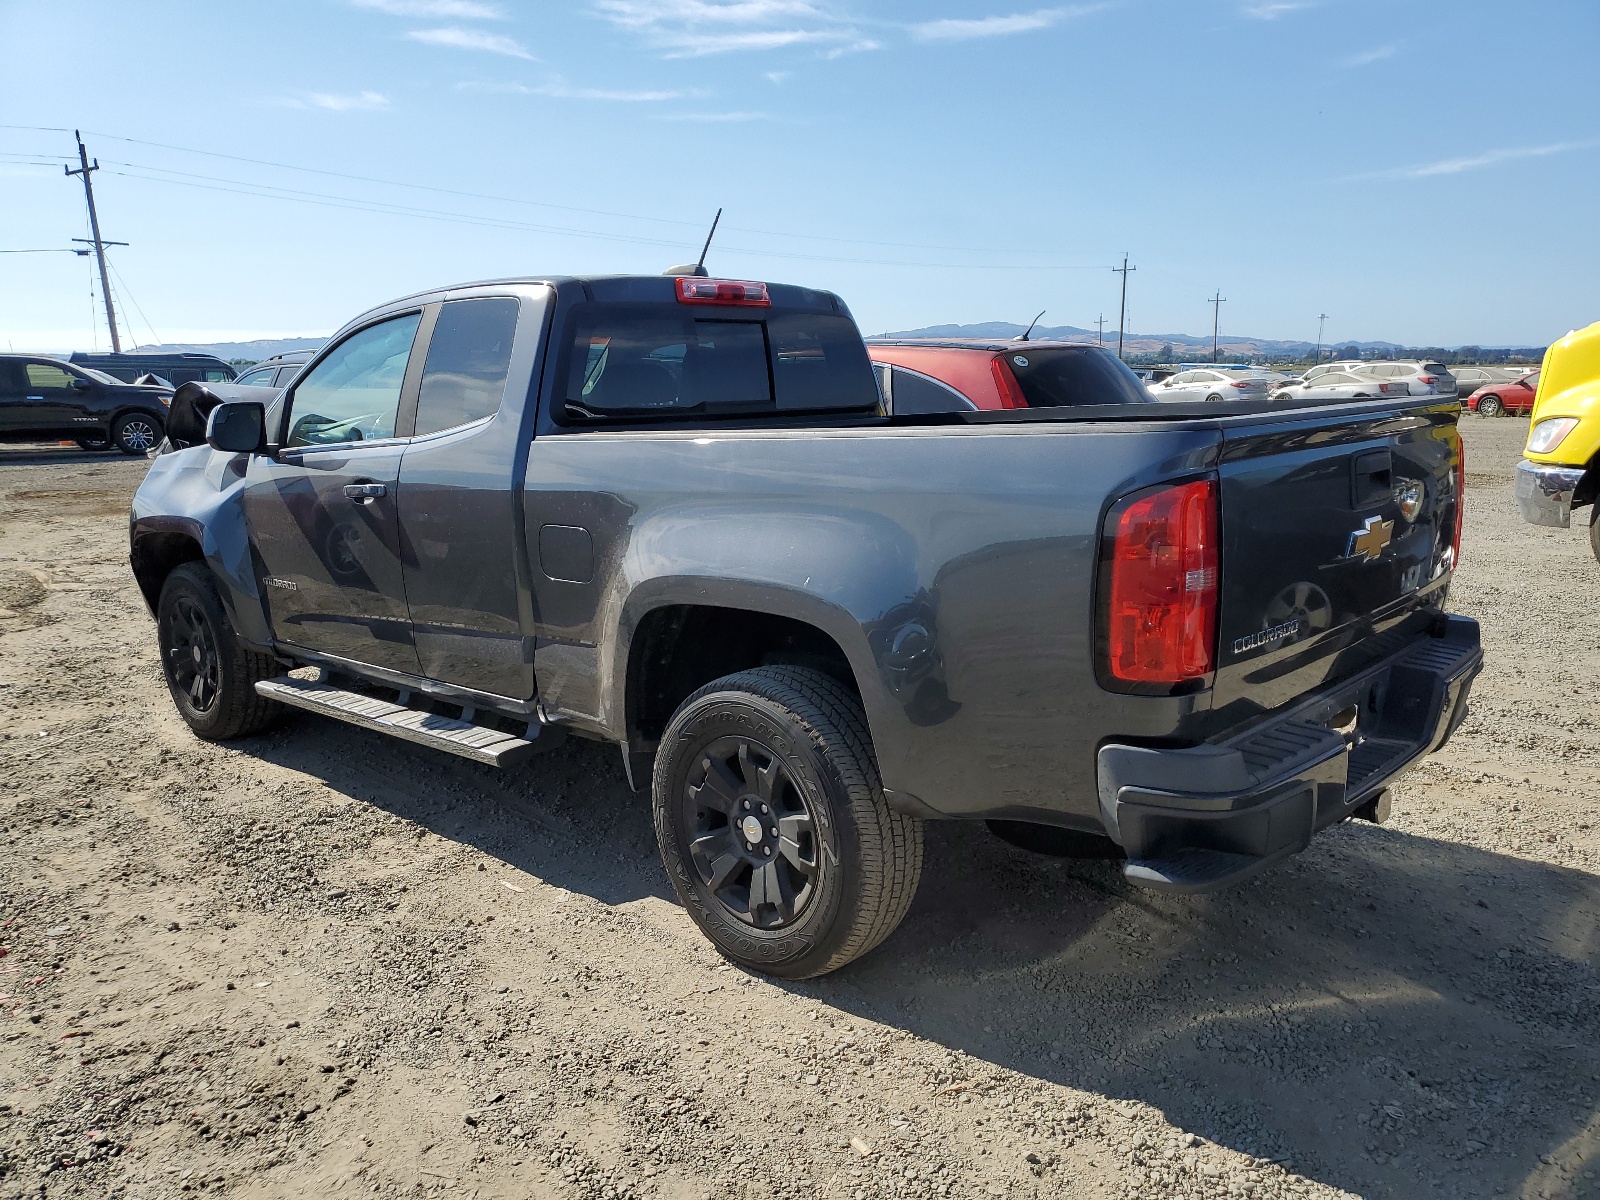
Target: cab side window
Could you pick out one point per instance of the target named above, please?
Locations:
(47, 378)
(469, 355)
(353, 394)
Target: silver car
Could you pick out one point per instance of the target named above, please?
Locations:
(1342, 384)
(1212, 384)
(1423, 378)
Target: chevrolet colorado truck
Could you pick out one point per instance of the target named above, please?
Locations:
(678, 515)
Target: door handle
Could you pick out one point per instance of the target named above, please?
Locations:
(365, 491)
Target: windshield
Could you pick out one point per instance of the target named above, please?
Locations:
(1069, 375)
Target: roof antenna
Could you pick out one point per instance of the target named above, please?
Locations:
(1023, 336)
(698, 270)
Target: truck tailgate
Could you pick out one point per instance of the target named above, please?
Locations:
(1337, 526)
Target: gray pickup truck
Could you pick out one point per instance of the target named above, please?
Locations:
(676, 514)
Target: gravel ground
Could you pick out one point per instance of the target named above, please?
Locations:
(323, 963)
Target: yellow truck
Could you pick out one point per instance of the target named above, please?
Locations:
(1560, 469)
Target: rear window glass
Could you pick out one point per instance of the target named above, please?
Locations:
(1060, 377)
(638, 361)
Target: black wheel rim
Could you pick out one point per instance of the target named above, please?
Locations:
(752, 839)
(192, 661)
(138, 434)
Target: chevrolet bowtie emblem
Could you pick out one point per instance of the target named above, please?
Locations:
(1368, 541)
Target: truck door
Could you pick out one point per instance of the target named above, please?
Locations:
(50, 401)
(12, 383)
(322, 512)
(459, 495)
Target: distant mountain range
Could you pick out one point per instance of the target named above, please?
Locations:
(236, 351)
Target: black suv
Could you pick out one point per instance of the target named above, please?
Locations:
(174, 368)
(45, 398)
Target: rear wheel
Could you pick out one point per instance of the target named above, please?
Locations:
(1594, 531)
(1490, 406)
(773, 827)
(136, 433)
(1213, 398)
(211, 674)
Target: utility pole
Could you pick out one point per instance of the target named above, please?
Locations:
(1321, 317)
(1216, 303)
(1100, 325)
(1122, 316)
(100, 245)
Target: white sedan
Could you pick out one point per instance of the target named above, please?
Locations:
(1212, 384)
(1341, 385)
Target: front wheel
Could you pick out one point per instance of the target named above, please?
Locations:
(1490, 406)
(772, 824)
(136, 433)
(93, 445)
(211, 674)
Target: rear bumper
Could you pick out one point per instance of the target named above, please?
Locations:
(1544, 493)
(1204, 817)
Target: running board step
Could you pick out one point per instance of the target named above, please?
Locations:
(453, 736)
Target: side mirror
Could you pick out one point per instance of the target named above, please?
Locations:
(239, 427)
(82, 385)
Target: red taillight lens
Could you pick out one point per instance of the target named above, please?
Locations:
(1162, 603)
(692, 290)
(1426, 379)
(1461, 504)
(1010, 390)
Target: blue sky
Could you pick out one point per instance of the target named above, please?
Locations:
(1421, 170)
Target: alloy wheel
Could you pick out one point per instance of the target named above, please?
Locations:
(138, 434)
(194, 665)
(751, 836)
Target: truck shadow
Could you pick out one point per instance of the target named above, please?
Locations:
(1390, 1014)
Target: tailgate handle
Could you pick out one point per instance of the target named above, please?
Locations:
(1372, 479)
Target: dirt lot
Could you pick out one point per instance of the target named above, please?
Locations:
(323, 963)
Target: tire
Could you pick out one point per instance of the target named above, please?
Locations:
(211, 674)
(795, 741)
(1057, 843)
(1594, 531)
(1490, 406)
(1213, 399)
(136, 433)
(93, 445)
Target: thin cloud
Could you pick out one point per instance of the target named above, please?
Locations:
(463, 10)
(696, 28)
(1476, 162)
(1367, 57)
(336, 102)
(640, 14)
(713, 116)
(563, 91)
(470, 39)
(1271, 12)
(955, 29)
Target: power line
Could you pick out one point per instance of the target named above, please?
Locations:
(122, 284)
(540, 203)
(326, 200)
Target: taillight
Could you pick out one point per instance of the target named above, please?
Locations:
(692, 290)
(1428, 379)
(1010, 392)
(1461, 504)
(1239, 383)
(1161, 602)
